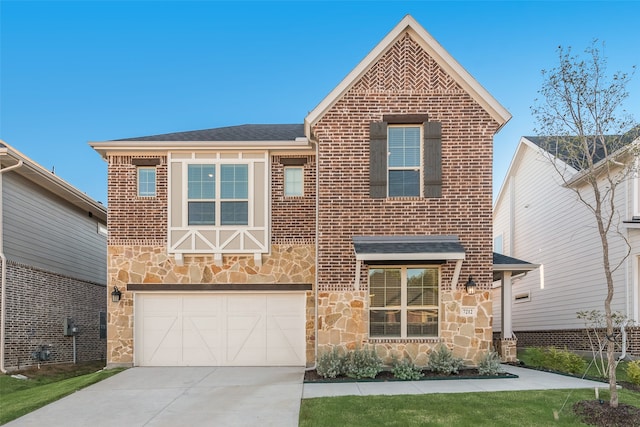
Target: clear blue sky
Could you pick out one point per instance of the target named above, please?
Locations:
(80, 71)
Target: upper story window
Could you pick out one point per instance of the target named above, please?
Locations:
(218, 203)
(146, 181)
(405, 161)
(293, 181)
(405, 157)
(226, 203)
(404, 302)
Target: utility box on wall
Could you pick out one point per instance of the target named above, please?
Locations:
(69, 327)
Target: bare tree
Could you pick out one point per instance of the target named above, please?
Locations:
(590, 141)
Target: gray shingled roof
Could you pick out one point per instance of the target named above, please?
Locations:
(562, 150)
(270, 132)
(406, 244)
(502, 263)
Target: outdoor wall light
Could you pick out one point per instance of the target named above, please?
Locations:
(470, 286)
(116, 294)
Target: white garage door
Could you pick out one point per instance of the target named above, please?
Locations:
(220, 329)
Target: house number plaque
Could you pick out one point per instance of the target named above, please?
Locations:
(468, 311)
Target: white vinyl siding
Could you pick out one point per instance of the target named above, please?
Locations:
(551, 227)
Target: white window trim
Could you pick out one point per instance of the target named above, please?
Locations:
(155, 177)
(284, 181)
(420, 160)
(403, 307)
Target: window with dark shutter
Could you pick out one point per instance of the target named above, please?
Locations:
(395, 168)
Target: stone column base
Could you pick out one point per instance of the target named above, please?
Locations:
(508, 350)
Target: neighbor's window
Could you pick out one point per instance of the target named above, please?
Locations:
(226, 203)
(403, 302)
(404, 161)
(293, 181)
(146, 181)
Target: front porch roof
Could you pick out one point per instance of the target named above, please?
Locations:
(408, 248)
(502, 263)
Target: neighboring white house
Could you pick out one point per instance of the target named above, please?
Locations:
(538, 219)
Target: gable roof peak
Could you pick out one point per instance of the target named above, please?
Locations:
(409, 25)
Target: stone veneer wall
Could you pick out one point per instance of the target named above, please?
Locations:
(287, 263)
(343, 322)
(37, 302)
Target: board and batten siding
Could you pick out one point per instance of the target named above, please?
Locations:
(554, 229)
(44, 231)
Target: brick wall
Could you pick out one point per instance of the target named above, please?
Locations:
(37, 303)
(404, 81)
(132, 217)
(293, 217)
(572, 339)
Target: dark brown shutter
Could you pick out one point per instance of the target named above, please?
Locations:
(378, 160)
(432, 159)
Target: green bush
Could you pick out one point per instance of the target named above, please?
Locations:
(556, 360)
(441, 360)
(490, 364)
(330, 364)
(406, 370)
(633, 371)
(362, 363)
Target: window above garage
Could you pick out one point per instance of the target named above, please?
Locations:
(218, 203)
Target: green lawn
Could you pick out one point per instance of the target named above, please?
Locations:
(524, 408)
(19, 397)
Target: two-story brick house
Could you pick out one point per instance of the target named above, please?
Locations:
(268, 244)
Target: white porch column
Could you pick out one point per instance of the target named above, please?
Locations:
(507, 300)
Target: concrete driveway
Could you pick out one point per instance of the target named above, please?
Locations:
(187, 396)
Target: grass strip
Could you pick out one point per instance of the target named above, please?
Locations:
(522, 408)
(19, 402)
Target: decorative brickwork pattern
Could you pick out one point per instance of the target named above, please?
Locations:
(404, 81)
(37, 304)
(151, 264)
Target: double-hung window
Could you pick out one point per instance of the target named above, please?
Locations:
(293, 181)
(405, 161)
(405, 157)
(218, 194)
(146, 181)
(404, 302)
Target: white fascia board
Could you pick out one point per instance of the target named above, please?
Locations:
(428, 256)
(515, 267)
(53, 183)
(435, 50)
(123, 146)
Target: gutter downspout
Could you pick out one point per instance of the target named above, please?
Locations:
(3, 277)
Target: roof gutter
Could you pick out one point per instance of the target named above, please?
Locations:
(3, 274)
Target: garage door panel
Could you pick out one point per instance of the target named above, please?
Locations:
(220, 329)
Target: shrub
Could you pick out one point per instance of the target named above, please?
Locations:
(362, 363)
(490, 364)
(406, 370)
(633, 371)
(330, 364)
(441, 360)
(556, 360)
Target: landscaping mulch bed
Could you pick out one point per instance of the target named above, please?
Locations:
(599, 413)
(463, 374)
